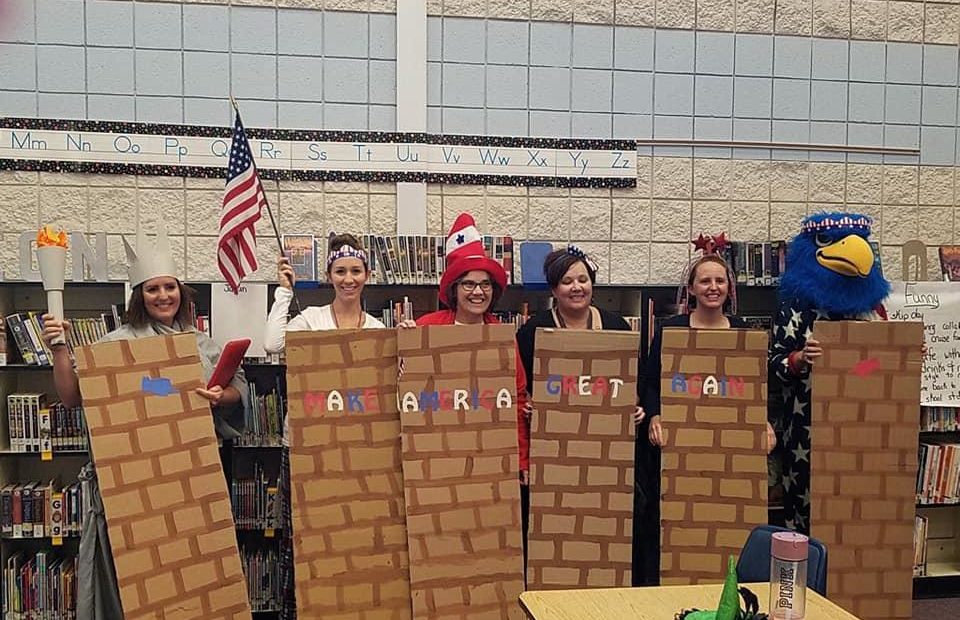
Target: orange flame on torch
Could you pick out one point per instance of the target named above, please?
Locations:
(47, 237)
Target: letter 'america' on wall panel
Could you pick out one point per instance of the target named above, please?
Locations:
(713, 390)
(107, 147)
(458, 414)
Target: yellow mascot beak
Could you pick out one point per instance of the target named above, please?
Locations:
(851, 256)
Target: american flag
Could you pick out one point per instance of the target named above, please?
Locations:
(242, 200)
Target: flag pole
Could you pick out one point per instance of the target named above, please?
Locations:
(273, 222)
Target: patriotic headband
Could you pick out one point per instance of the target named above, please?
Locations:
(346, 251)
(576, 252)
(821, 223)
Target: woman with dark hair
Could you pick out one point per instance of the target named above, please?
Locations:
(469, 287)
(159, 305)
(347, 271)
(707, 300)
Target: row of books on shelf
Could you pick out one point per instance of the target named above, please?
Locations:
(264, 585)
(25, 329)
(263, 418)
(939, 419)
(394, 259)
(920, 527)
(41, 586)
(256, 502)
(35, 427)
(938, 474)
(40, 510)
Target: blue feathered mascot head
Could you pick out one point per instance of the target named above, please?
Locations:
(831, 266)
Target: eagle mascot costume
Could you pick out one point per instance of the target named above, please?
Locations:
(832, 274)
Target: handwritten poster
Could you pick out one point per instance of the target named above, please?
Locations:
(937, 304)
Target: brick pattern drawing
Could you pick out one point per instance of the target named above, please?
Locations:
(350, 542)
(460, 471)
(714, 479)
(581, 459)
(164, 493)
(863, 462)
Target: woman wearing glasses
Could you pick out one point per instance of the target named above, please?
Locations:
(470, 286)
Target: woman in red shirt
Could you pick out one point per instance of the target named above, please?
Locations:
(471, 284)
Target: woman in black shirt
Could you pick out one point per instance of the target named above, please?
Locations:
(709, 291)
(571, 276)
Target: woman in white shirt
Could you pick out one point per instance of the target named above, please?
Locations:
(347, 271)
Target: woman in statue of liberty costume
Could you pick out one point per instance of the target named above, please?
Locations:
(160, 304)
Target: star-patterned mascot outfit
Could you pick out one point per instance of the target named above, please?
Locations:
(831, 274)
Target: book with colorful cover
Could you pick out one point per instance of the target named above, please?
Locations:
(950, 262)
(301, 250)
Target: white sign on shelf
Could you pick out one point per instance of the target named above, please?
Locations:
(243, 315)
(937, 304)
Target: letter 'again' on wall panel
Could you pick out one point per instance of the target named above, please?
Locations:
(164, 494)
(458, 412)
(864, 431)
(350, 541)
(714, 481)
(581, 459)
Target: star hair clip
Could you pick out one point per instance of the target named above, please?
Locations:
(711, 244)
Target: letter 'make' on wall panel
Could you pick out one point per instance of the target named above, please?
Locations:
(350, 541)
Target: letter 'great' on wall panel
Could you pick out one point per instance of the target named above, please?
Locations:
(714, 480)
(350, 541)
(164, 493)
(865, 423)
(581, 459)
(458, 414)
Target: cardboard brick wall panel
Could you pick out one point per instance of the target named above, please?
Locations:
(460, 469)
(863, 461)
(714, 471)
(350, 541)
(581, 460)
(171, 527)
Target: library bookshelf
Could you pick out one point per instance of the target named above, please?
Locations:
(940, 577)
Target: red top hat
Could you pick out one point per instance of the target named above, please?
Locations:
(465, 253)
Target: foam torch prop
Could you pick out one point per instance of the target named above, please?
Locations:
(52, 260)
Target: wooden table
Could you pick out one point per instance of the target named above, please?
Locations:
(652, 603)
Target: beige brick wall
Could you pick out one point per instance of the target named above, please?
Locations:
(638, 235)
(863, 463)
(350, 541)
(581, 464)
(164, 493)
(460, 473)
(893, 20)
(714, 480)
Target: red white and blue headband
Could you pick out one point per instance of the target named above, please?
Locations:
(346, 251)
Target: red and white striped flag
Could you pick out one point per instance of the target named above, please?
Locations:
(242, 200)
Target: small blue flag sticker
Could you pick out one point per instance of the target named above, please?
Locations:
(161, 386)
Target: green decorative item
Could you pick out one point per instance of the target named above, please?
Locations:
(729, 606)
